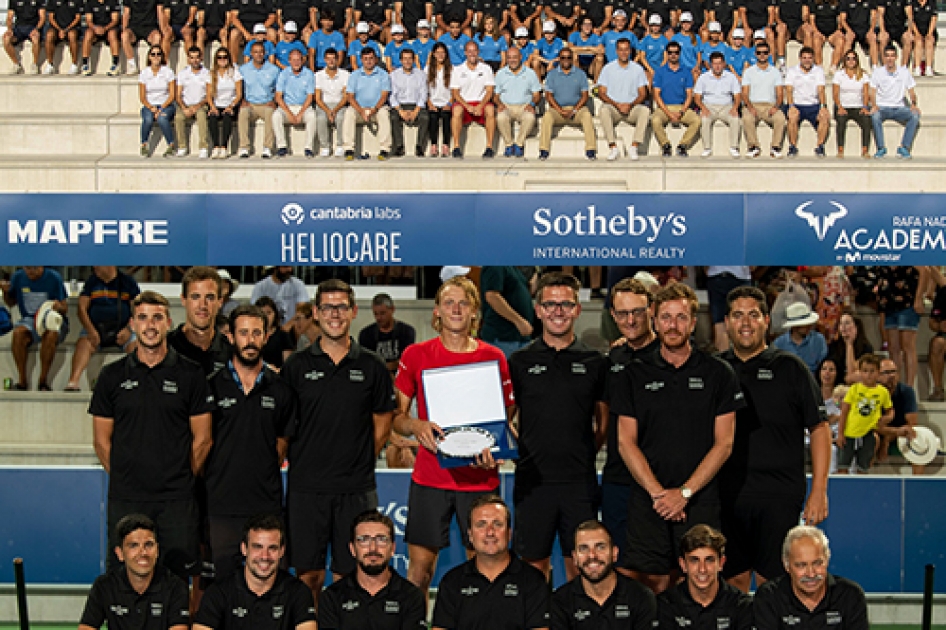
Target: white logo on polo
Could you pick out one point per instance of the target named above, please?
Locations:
(722, 623)
(820, 224)
(511, 590)
(314, 375)
(655, 386)
(119, 610)
(278, 611)
(170, 387)
(617, 367)
(350, 605)
(765, 374)
(791, 620)
(469, 591)
(696, 382)
(239, 612)
(538, 369)
(581, 615)
(392, 607)
(267, 402)
(579, 368)
(292, 213)
(129, 384)
(226, 403)
(356, 376)
(832, 617)
(621, 611)
(683, 622)
(156, 609)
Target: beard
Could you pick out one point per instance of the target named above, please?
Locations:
(609, 569)
(282, 276)
(248, 362)
(374, 570)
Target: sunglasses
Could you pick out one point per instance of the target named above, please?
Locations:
(673, 52)
(762, 53)
(155, 54)
(222, 57)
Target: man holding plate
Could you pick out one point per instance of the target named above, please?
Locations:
(438, 493)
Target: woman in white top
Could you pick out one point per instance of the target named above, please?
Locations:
(224, 93)
(439, 111)
(156, 89)
(851, 98)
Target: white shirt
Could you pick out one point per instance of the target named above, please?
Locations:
(762, 83)
(439, 92)
(226, 87)
(193, 84)
(157, 86)
(332, 88)
(472, 82)
(892, 87)
(805, 84)
(719, 90)
(851, 89)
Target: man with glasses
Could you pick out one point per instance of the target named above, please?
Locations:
(905, 416)
(375, 595)
(762, 89)
(673, 96)
(566, 94)
(346, 401)
(559, 385)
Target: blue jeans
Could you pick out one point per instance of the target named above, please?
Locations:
(164, 118)
(903, 115)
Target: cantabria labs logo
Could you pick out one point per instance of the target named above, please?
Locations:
(292, 213)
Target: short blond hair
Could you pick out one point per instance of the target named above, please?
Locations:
(472, 294)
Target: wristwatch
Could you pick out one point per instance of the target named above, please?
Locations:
(685, 492)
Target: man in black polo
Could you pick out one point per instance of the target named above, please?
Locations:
(197, 338)
(559, 385)
(762, 484)
(261, 596)
(600, 598)
(244, 15)
(494, 589)
(632, 310)
(140, 20)
(254, 411)
(676, 409)
(375, 596)
(809, 597)
(136, 595)
(152, 431)
(703, 601)
(346, 404)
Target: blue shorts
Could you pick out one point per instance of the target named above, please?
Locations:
(906, 319)
(21, 33)
(809, 113)
(718, 288)
(177, 29)
(29, 323)
(585, 61)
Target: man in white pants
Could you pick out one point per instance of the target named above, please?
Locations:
(330, 99)
(295, 91)
(622, 88)
(717, 94)
(368, 89)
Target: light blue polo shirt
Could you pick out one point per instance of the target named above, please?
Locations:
(423, 50)
(517, 89)
(393, 51)
(367, 88)
(566, 88)
(456, 47)
(688, 50)
(653, 48)
(259, 84)
(622, 83)
(491, 49)
(296, 88)
(320, 41)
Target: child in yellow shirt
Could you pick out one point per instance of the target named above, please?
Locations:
(866, 405)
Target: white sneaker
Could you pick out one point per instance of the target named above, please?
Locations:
(225, 153)
(325, 152)
(32, 69)
(775, 154)
(734, 152)
(929, 72)
(17, 69)
(48, 68)
(182, 152)
(632, 153)
(614, 154)
(754, 152)
(917, 72)
(203, 154)
(266, 153)
(339, 152)
(243, 153)
(131, 67)
(73, 70)
(706, 153)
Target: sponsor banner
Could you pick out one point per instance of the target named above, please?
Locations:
(91, 229)
(845, 229)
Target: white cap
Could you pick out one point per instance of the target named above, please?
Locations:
(259, 28)
(452, 271)
(738, 32)
(619, 13)
(522, 31)
(362, 27)
(759, 34)
(548, 26)
(655, 19)
(423, 24)
(291, 27)
(714, 27)
(397, 28)
(686, 16)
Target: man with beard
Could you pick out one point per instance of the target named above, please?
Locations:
(375, 596)
(151, 427)
(346, 400)
(197, 338)
(494, 589)
(254, 411)
(137, 594)
(262, 596)
(677, 409)
(559, 385)
(809, 596)
(633, 312)
(284, 290)
(703, 601)
(762, 484)
(600, 598)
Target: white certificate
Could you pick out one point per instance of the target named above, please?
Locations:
(464, 395)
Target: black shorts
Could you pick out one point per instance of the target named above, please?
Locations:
(96, 39)
(212, 33)
(755, 528)
(653, 544)
(317, 520)
(178, 30)
(142, 32)
(860, 37)
(226, 534)
(177, 531)
(756, 25)
(824, 29)
(718, 288)
(857, 450)
(21, 33)
(547, 510)
(793, 26)
(896, 34)
(429, 512)
(614, 498)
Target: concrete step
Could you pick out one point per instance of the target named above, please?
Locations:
(63, 95)
(53, 134)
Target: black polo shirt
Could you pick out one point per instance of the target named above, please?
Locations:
(215, 12)
(615, 470)
(412, 11)
(844, 607)
(494, 8)
(372, 11)
(731, 609)
(790, 11)
(345, 605)
(242, 471)
(858, 13)
(695, 7)
(231, 605)
(676, 410)
(782, 401)
(65, 11)
(923, 15)
(113, 602)
(180, 11)
(631, 606)
(102, 11)
(826, 16)
(757, 11)
(593, 9)
(26, 12)
(217, 355)
(556, 392)
(339, 7)
(151, 439)
(564, 8)
(524, 8)
(332, 440)
(659, 7)
(723, 10)
(451, 10)
(295, 10)
(518, 599)
(252, 12)
(895, 19)
(143, 13)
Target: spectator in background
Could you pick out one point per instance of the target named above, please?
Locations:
(224, 94)
(104, 311)
(278, 344)
(718, 95)
(259, 92)
(157, 88)
(102, 23)
(867, 407)
(802, 339)
(281, 287)
(852, 102)
(518, 92)
(29, 289)
(830, 292)
(63, 19)
(368, 89)
(386, 336)
(719, 282)
(305, 328)
(900, 299)
(905, 413)
(507, 308)
(295, 90)
(833, 395)
(439, 109)
(409, 103)
(566, 97)
(141, 19)
(622, 88)
(472, 85)
(673, 98)
(762, 96)
(331, 83)
(937, 323)
(806, 100)
(227, 301)
(192, 103)
(890, 86)
(850, 345)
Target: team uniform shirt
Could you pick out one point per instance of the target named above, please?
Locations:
(422, 50)
(895, 16)
(102, 12)
(724, 12)
(356, 46)
(332, 448)
(740, 58)
(557, 391)
(372, 11)
(518, 599)
(180, 11)
(826, 16)
(26, 12)
(268, 47)
(595, 9)
(151, 410)
(115, 603)
(567, 88)
(494, 8)
(143, 14)
(63, 11)
(805, 85)
(844, 607)
(654, 48)
(242, 471)
(231, 605)
(610, 40)
(491, 49)
(215, 12)
(867, 406)
(211, 359)
(296, 88)
(549, 50)
(472, 82)
(432, 354)
(658, 7)
(731, 609)
(284, 48)
(253, 12)
(295, 11)
(631, 606)
(110, 301)
(527, 50)
(707, 49)
(695, 8)
(157, 86)
(577, 39)
(923, 15)
(345, 605)
(320, 41)
(193, 84)
(226, 87)
(259, 87)
(393, 52)
(368, 88)
(763, 83)
(622, 82)
(389, 345)
(857, 13)
(892, 87)
(456, 47)
(31, 294)
(339, 7)
(790, 12)
(851, 92)
(333, 88)
(757, 13)
(720, 90)
(669, 402)
(451, 10)
(688, 48)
